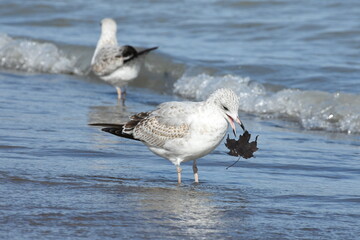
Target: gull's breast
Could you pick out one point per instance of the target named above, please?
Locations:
(123, 74)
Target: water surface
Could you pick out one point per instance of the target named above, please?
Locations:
(294, 65)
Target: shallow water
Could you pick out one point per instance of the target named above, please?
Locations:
(62, 179)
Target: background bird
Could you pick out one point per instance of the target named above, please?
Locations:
(183, 131)
(115, 64)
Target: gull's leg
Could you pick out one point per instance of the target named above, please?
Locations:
(123, 95)
(178, 169)
(195, 170)
(118, 90)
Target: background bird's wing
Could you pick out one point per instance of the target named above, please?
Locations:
(127, 53)
(147, 50)
(107, 61)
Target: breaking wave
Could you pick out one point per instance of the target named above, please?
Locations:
(317, 110)
(320, 110)
(159, 72)
(33, 56)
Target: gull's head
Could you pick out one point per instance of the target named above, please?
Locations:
(108, 25)
(227, 102)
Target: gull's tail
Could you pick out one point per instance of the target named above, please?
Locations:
(123, 130)
(116, 129)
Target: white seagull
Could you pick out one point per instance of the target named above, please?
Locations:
(183, 131)
(112, 63)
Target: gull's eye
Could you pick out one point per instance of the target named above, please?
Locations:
(225, 108)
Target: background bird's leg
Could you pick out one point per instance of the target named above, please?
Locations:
(118, 90)
(178, 169)
(195, 170)
(123, 95)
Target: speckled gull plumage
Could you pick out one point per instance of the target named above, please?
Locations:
(183, 131)
(115, 64)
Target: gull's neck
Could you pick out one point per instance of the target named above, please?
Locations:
(211, 100)
(212, 103)
(107, 38)
(211, 106)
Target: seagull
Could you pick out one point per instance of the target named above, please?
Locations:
(115, 64)
(183, 131)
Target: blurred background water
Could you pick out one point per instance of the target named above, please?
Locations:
(295, 66)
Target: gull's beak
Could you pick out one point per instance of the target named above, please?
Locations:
(240, 123)
(231, 121)
(232, 124)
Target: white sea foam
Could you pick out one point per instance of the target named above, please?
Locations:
(312, 109)
(32, 56)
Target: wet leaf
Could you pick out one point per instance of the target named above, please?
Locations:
(242, 147)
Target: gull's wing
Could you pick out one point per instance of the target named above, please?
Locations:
(110, 58)
(169, 121)
(129, 53)
(147, 50)
(107, 61)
